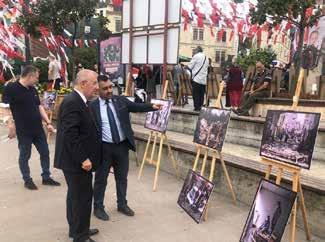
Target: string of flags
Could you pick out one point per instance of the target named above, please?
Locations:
(222, 15)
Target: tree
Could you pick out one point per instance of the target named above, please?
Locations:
(299, 13)
(57, 15)
(264, 55)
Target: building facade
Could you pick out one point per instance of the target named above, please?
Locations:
(219, 50)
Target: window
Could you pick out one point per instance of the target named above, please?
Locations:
(224, 36)
(220, 56)
(118, 25)
(197, 34)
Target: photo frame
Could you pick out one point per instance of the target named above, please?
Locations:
(195, 195)
(211, 127)
(158, 120)
(290, 137)
(269, 213)
(49, 99)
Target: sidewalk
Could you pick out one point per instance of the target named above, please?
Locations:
(39, 216)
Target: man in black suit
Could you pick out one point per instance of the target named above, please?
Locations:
(78, 153)
(112, 115)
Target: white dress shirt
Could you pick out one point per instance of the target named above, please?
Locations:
(82, 96)
(106, 128)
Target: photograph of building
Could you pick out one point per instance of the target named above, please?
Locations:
(195, 195)
(290, 137)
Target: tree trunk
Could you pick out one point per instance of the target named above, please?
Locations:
(299, 52)
(73, 69)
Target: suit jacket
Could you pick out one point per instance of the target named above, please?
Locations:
(77, 136)
(123, 107)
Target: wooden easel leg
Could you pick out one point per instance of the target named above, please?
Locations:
(268, 172)
(212, 170)
(294, 209)
(153, 147)
(175, 163)
(204, 162)
(197, 158)
(158, 163)
(145, 156)
(279, 176)
(227, 177)
(303, 210)
(48, 133)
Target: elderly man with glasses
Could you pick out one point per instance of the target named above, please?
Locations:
(260, 88)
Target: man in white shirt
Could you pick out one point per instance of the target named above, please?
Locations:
(199, 68)
(54, 73)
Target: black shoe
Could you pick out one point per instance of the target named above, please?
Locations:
(89, 240)
(50, 182)
(101, 214)
(91, 232)
(126, 210)
(30, 185)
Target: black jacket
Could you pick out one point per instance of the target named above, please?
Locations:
(77, 136)
(123, 108)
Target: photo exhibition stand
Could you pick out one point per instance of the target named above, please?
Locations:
(163, 139)
(215, 155)
(295, 171)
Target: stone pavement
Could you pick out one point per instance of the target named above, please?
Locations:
(39, 216)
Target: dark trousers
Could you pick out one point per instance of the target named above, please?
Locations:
(25, 148)
(250, 99)
(116, 156)
(198, 91)
(79, 197)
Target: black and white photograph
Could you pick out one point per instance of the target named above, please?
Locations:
(195, 195)
(49, 100)
(211, 127)
(158, 120)
(290, 137)
(269, 213)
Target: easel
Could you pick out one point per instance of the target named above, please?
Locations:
(163, 139)
(215, 154)
(295, 171)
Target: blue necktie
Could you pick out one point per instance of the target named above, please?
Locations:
(112, 124)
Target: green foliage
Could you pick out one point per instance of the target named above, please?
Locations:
(64, 90)
(41, 87)
(56, 14)
(266, 56)
(86, 56)
(42, 65)
(289, 10)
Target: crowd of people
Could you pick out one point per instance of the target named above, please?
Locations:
(93, 134)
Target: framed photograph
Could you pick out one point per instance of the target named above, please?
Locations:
(269, 213)
(290, 137)
(158, 120)
(49, 99)
(195, 195)
(211, 127)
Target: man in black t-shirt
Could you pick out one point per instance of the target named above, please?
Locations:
(260, 88)
(27, 113)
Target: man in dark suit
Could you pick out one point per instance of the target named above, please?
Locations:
(78, 152)
(112, 114)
